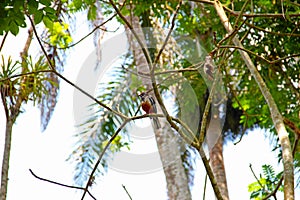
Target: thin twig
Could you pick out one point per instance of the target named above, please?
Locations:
(206, 109)
(191, 68)
(60, 184)
(210, 174)
(272, 32)
(168, 35)
(144, 50)
(90, 33)
(101, 156)
(273, 193)
(68, 81)
(154, 85)
(204, 189)
(237, 13)
(26, 74)
(260, 57)
(265, 15)
(3, 41)
(126, 192)
(241, 13)
(258, 181)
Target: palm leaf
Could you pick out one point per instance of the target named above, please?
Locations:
(102, 124)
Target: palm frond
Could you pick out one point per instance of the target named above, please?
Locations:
(102, 124)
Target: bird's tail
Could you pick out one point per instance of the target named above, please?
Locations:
(156, 123)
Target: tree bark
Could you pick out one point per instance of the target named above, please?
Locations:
(168, 147)
(218, 167)
(287, 155)
(5, 161)
(177, 181)
(12, 107)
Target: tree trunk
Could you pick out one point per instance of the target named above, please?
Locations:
(12, 110)
(5, 161)
(168, 147)
(218, 167)
(283, 135)
(177, 181)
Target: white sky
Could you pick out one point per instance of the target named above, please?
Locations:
(45, 153)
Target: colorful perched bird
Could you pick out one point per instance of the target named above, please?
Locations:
(149, 106)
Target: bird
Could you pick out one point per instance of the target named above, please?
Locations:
(149, 106)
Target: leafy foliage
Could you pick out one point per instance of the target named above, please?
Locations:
(59, 35)
(12, 14)
(265, 184)
(8, 84)
(24, 81)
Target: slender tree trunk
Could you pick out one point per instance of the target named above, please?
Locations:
(218, 167)
(283, 135)
(176, 177)
(12, 105)
(168, 147)
(215, 145)
(5, 161)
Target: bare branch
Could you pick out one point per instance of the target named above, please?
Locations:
(60, 184)
(266, 15)
(68, 81)
(3, 41)
(168, 35)
(101, 156)
(90, 33)
(258, 181)
(272, 32)
(210, 173)
(238, 13)
(258, 56)
(126, 192)
(145, 52)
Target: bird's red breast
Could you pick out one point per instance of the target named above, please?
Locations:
(146, 106)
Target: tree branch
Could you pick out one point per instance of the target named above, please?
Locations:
(275, 114)
(90, 33)
(3, 41)
(60, 184)
(258, 181)
(210, 173)
(144, 50)
(271, 32)
(101, 156)
(126, 192)
(238, 13)
(68, 81)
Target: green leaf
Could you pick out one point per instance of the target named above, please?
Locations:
(48, 23)
(14, 28)
(33, 6)
(45, 2)
(77, 4)
(38, 16)
(92, 12)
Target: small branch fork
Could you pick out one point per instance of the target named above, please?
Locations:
(60, 184)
